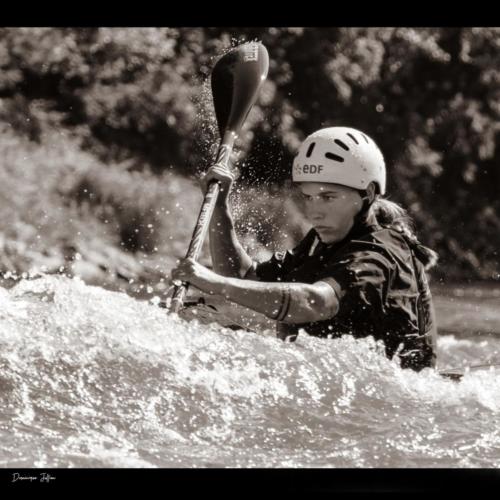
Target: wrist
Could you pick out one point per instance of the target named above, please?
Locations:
(222, 203)
(219, 285)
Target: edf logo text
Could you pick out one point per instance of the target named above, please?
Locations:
(312, 169)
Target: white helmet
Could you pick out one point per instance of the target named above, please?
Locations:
(340, 155)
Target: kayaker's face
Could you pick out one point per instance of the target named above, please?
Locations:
(330, 208)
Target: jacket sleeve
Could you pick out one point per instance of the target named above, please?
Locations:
(360, 279)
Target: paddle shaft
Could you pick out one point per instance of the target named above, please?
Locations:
(203, 222)
(236, 80)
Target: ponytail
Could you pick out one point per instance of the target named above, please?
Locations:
(393, 216)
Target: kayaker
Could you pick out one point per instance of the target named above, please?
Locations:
(360, 270)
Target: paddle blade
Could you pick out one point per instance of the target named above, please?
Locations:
(236, 80)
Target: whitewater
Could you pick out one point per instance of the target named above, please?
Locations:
(95, 378)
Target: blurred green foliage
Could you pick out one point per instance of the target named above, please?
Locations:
(137, 99)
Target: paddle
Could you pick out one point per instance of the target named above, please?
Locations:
(458, 373)
(236, 81)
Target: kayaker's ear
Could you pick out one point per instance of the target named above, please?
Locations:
(371, 192)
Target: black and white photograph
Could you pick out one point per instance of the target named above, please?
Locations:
(249, 248)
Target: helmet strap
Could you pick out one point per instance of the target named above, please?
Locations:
(365, 199)
(362, 215)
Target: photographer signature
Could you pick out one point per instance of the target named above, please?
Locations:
(43, 477)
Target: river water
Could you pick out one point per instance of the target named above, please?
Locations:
(94, 378)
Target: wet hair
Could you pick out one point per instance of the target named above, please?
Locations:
(393, 216)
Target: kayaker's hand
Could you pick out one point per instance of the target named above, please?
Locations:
(195, 274)
(223, 175)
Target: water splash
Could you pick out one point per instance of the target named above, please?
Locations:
(92, 378)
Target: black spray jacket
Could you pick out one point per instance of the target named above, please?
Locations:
(381, 286)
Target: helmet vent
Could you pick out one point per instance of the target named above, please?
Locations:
(310, 149)
(352, 137)
(341, 144)
(334, 157)
(364, 137)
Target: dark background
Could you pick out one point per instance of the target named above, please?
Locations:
(104, 129)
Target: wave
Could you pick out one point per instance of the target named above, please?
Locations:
(91, 378)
